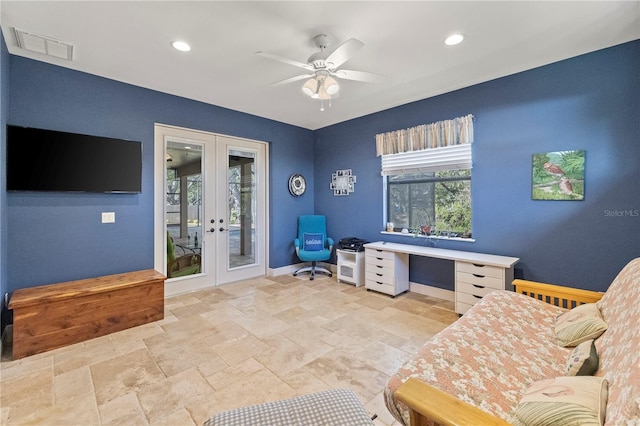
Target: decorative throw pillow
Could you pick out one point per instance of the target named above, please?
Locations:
(579, 324)
(312, 242)
(563, 401)
(583, 361)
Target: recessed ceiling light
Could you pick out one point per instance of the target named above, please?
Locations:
(454, 39)
(181, 46)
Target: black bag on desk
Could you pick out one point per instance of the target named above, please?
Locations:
(351, 244)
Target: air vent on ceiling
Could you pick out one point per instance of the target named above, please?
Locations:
(45, 45)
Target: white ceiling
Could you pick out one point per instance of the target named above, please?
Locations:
(129, 41)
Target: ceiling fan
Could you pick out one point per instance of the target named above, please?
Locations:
(322, 66)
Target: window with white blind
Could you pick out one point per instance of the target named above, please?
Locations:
(428, 191)
(431, 203)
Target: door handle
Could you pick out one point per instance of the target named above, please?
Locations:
(212, 230)
(222, 229)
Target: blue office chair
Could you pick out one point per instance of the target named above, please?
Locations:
(312, 244)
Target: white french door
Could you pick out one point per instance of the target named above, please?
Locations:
(210, 208)
(241, 209)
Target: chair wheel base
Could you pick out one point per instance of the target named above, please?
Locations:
(313, 269)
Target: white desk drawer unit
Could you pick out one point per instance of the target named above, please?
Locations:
(476, 274)
(386, 271)
(475, 280)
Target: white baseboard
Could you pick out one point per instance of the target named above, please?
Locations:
(284, 270)
(428, 290)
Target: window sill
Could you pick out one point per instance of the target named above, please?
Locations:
(434, 237)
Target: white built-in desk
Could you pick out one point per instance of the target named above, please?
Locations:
(476, 274)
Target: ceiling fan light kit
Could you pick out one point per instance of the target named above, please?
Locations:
(331, 85)
(310, 87)
(321, 86)
(323, 66)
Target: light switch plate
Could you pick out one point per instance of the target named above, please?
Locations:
(108, 217)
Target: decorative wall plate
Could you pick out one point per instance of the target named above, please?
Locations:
(297, 185)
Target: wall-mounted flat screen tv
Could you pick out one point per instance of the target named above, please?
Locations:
(47, 160)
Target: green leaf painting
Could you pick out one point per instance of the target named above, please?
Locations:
(558, 175)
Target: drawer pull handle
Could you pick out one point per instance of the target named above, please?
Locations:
(478, 276)
(378, 274)
(378, 266)
(477, 297)
(478, 265)
(477, 286)
(379, 258)
(379, 282)
(379, 251)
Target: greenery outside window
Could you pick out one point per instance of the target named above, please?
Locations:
(431, 203)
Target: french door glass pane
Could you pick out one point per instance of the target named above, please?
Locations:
(242, 208)
(184, 209)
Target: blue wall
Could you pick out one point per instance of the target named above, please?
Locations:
(4, 108)
(58, 236)
(591, 102)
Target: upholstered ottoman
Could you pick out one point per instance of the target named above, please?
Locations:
(331, 407)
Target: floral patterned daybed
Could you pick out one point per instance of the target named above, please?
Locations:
(480, 369)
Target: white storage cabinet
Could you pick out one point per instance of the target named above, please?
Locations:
(351, 266)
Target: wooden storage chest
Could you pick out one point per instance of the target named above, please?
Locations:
(55, 315)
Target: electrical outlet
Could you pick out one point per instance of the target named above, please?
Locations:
(108, 217)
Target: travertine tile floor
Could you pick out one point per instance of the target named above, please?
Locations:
(234, 345)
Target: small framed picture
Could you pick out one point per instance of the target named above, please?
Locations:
(342, 182)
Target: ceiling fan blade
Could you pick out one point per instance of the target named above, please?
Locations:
(285, 60)
(291, 80)
(367, 77)
(343, 52)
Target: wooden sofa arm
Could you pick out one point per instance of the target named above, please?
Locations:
(427, 402)
(564, 297)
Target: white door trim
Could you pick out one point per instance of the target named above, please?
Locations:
(159, 177)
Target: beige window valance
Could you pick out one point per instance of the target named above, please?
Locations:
(426, 136)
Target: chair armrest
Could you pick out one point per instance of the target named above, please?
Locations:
(427, 402)
(564, 297)
(330, 243)
(296, 243)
